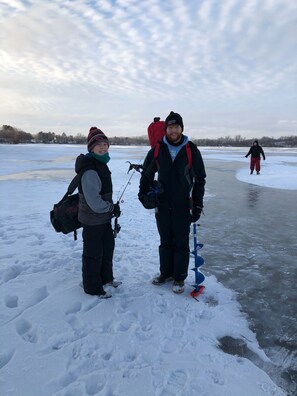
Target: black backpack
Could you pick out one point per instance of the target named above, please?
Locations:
(64, 216)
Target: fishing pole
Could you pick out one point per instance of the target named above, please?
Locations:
(136, 168)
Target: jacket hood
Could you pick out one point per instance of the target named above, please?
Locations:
(257, 143)
(83, 161)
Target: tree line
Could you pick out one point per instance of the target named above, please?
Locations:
(12, 135)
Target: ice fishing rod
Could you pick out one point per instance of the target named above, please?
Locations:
(135, 168)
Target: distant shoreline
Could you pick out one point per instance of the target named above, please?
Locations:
(280, 146)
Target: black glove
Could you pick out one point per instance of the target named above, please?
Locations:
(149, 201)
(196, 212)
(116, 211)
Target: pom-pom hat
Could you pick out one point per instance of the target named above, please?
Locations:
(96, 136)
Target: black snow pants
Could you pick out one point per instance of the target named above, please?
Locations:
(98, 248)
(174, 252)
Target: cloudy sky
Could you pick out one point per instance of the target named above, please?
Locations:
(229, 67)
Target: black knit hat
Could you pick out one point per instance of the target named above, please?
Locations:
(96, 136)
(174, 118)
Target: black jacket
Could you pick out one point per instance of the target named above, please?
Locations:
(174, 177)
(85, 214)
(255, 151)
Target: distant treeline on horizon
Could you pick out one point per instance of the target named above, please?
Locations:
(12, 135)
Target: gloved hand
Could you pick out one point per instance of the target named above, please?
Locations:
(196, 212)
(116, 210)
(149, 201)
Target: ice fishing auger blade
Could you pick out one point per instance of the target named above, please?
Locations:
(199, 261)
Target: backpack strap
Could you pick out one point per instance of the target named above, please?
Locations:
(156, 153)
(189, 155)
(71, 188)
(73, 184)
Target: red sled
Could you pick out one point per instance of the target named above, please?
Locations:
(156, 131)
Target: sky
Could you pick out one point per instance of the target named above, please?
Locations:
(228, 67)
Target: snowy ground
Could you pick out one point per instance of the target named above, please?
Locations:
(145, 340)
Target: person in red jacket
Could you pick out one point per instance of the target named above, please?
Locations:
(255, 151)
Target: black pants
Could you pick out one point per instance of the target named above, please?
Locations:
(98, 248)
(174, 230)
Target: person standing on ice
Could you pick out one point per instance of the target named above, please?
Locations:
(177, 197)
(95, 212)
(255, 151)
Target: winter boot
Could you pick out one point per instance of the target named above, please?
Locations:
(258, 173)
(104, 295)
(178, 287)
(114, 283)
(159, 280)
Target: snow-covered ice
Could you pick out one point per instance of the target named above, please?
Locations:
(56, 340)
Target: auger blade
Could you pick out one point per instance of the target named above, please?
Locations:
(199, 261)
(199, 277)
(197, 291)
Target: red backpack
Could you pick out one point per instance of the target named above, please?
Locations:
(156, 131)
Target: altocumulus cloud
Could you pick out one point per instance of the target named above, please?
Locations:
(61, 57)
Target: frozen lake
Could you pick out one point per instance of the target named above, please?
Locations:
(249, 232)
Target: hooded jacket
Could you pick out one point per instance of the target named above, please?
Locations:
(255, 151)
(95, 191)
(174, 177)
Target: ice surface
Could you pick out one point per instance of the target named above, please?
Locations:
(145, 340)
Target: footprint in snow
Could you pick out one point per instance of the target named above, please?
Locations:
(176, 383)
(39, 240)
(5, 358)
(158, 375)
(94, 384)
(216, 377)
(130, 356)
(11, 301)
(170, 344)
(67, 379)
(38, 295)
(179, 320)
(160, 304)
(205, 314)
(73, 308)
(123, 306)
(127, 322)
(144, 329)
(173, 340)
(12, 273)
(107, 356)
(106, 327)
(26, 331)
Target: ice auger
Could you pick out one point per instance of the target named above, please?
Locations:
(199, 261)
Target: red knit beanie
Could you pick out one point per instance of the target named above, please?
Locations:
(96, 136)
